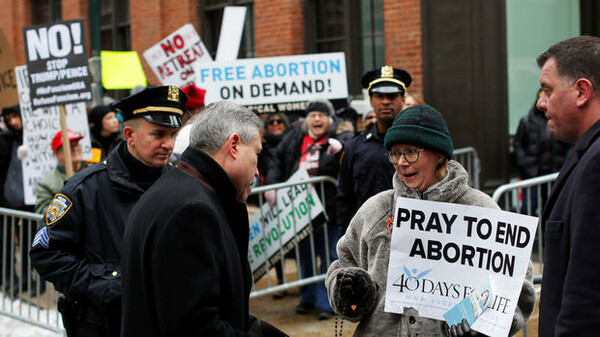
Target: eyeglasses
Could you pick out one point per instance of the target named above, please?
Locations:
(410, 155)
(369, 118)
(275, 121)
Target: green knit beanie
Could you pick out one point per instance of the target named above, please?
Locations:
(420, 125)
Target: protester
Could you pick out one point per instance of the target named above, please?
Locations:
(537, 153)
(365, 171)
(11, 173)
(570, 298)
(193, 107)
(311, 148)
(276, 126)
(104, 130)
(420, 148)
(12, 152)
(191, 227)
(53, 181)
(80, 249)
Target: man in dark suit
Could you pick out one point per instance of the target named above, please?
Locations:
(185, 263)
(570, 299)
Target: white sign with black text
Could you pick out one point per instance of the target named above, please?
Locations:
(440, 252)
(39, 127)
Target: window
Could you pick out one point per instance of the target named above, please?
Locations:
(45, 11)
(114, 25)
(212, 13)
(354, 27)
(372, 37)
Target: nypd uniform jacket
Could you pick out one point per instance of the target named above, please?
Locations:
(365, 171)
(79, 250)
(185, 264)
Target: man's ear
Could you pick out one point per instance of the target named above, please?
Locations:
(585, 90)
(128, 133)
(233, 145)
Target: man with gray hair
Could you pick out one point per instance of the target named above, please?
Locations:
(185, 266)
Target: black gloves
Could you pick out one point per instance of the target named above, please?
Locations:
(353, 287)
(463, 330)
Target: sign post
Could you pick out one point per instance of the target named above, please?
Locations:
(58, 70)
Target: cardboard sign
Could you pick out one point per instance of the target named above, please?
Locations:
(8, 82)
(172, 59)
(440, 252)
(274, 79)
(275, 229)
(39, 127)
(57, 63)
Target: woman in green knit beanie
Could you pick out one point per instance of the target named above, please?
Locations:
(420, 147)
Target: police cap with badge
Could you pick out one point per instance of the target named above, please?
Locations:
(159, 105)
(386, 80)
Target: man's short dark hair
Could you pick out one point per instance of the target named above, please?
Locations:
(577, 57)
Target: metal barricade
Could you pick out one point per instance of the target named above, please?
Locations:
(469, 159)
(528, 197)
(266, 285)
(24, 295)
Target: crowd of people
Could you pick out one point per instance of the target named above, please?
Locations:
(164, 199)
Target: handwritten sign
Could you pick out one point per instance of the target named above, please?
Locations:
(8, 83)
(440, 252)
(277, 228)
(57, 63)
(274, 79)
(39, 127)
(172, 59)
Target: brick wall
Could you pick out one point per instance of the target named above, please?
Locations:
(279, 27)
(15, 15)
(403, 44)
(153, 20)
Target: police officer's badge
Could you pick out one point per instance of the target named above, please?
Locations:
(173, 94)
(57, 209)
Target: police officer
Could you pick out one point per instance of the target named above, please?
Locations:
(365, 170)
(79, 250)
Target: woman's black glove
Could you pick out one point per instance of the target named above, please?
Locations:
(463, 329)
(353, 287)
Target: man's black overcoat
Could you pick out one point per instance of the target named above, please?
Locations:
(570, 298)
(185, 265)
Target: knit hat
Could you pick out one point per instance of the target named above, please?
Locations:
(195, 96)
(95, 117)
(11, 109)
(420, 125)
(321, 105)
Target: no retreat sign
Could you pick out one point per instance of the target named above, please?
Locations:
(57, 63)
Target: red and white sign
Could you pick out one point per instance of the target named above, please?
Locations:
(173, 59)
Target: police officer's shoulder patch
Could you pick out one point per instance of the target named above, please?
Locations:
(58, 208)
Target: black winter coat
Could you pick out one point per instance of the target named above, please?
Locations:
(80, 249)
(569, 302)
(185, 265)
(537, 151)
(365, 171)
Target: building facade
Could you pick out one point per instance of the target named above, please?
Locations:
(474, 60)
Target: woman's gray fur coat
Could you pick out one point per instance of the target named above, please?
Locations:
(365, 248)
